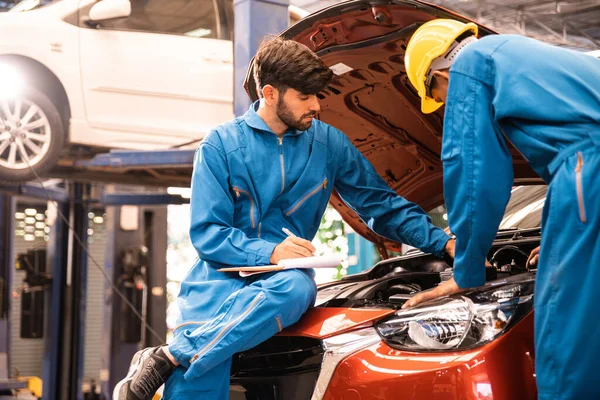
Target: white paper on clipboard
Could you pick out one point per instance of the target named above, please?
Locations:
(306, 262)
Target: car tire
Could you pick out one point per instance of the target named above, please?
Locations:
(32, 124)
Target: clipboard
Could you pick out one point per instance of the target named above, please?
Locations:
(302, 263)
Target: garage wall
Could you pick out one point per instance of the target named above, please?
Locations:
(27, 354)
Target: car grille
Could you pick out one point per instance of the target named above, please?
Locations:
(280, 368)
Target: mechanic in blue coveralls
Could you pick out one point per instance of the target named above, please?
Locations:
(273, 168)
(545, 100)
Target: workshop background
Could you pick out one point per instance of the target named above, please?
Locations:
(155, 228)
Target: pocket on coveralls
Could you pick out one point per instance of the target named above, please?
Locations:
(579, 187)
(312, 192)
(245, 208)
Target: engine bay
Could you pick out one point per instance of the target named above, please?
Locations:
(392, 282)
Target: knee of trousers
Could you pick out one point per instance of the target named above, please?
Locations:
(298, 291)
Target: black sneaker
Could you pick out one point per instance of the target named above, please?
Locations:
(149, 369)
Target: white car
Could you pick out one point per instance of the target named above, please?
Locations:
(81, 75)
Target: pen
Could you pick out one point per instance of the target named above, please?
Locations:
(288, 232)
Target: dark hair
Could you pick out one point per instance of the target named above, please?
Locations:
(284, 64)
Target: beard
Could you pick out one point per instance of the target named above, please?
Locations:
(287, 117)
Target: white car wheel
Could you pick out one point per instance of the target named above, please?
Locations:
(31, 136)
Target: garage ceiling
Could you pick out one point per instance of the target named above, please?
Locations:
(572, 23)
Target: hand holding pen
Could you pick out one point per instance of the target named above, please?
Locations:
(292, 247)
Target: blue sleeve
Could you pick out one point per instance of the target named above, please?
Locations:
(211, 230)
(385, 212)
(478, 175)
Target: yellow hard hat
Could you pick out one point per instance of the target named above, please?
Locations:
(431, 40)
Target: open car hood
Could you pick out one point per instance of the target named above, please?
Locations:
(371, 100)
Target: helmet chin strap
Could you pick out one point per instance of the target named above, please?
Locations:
(445, 61)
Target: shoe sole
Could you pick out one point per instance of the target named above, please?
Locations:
(133, 368)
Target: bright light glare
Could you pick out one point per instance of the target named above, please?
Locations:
(25, 5)
(186, 193)
(199, 33)
(11, 82)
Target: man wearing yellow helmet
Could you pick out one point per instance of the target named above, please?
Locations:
(546, 101)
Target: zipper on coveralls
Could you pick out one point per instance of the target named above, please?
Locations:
(189, 323)
(308, 196)
(282, 164)
(237, 194)
(227, 327)
(578, 169)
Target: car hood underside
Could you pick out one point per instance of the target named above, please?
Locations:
(372, 102)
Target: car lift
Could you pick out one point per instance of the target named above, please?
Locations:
(66, 308)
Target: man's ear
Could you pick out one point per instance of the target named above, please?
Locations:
(441, 76)
(269, 94)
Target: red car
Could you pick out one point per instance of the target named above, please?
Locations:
(357, 344)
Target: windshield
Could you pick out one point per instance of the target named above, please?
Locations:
(524, 209)
(25, 5)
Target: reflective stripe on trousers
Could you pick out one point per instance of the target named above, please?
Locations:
(567, 297)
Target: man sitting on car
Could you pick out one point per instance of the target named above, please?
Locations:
(273, 168)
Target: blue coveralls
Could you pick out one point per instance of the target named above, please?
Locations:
(247, 185)
(546, 101)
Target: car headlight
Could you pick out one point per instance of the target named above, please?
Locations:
(460, 322)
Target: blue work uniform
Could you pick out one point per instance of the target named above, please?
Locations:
(546, 101)
(247, 185)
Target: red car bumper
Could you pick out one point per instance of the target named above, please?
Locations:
(500, 370)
